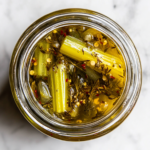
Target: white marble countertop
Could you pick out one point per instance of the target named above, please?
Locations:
(16, 133)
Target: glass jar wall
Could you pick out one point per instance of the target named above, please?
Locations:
(32, 110)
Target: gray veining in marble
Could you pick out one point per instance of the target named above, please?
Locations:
(15, 132)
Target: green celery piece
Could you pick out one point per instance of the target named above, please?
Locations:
(77, 50)
(58, 84)
(41, 59)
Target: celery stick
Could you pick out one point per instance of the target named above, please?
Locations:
(77, 50)
(41, 59)
(58, 84)
(72, 47)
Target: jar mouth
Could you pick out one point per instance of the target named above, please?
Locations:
(19, 70)
(25, 78)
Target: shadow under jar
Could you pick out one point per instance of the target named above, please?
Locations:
(30, 107)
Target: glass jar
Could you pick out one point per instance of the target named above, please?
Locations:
(35, 113)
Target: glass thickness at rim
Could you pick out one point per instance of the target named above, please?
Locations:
(132, 62)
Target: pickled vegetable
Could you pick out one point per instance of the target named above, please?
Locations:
(77, 74)
(76, 49)
(58, 84)
(43, 62)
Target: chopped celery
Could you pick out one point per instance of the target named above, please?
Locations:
(77, 50)
(41, 69)
(58, 84)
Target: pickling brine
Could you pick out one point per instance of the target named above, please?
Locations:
(77, 74)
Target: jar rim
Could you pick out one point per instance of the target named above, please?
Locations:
(59, 17)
